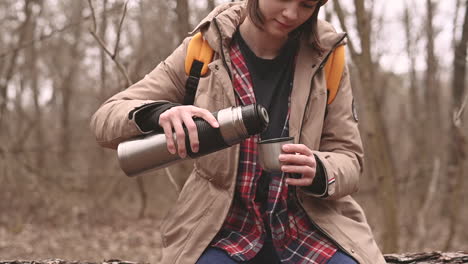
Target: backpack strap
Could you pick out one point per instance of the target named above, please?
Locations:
(199, 55)
(333, 71)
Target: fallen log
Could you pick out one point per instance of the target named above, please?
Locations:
(410, 258)
(428, 258)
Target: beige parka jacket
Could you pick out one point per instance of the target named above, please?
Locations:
(206, 197)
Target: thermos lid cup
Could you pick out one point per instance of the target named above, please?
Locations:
(269, 151)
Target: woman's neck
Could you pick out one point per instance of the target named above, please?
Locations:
(261, 43)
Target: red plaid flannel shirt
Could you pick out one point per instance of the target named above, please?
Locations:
(242, 235)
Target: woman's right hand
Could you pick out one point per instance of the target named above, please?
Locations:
(175, 118)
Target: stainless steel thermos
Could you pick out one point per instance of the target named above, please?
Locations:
(150, 152)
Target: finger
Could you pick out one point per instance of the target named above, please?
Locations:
(299, 182)
(180, 137)
(297, 159)
(304, 170)
(207, 116)
(192, 132)
(297, 148)
(167, 127)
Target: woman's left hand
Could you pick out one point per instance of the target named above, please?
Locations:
(298, 158)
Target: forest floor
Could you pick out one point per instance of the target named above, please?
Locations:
(135, 240)
(92, 238)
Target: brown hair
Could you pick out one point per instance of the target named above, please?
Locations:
(309, 27)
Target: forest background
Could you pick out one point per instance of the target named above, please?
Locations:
(61, 196)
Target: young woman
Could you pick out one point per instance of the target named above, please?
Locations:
(270, 52)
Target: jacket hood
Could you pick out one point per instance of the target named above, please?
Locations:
(224, 20)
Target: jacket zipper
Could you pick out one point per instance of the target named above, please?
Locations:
(322, 64)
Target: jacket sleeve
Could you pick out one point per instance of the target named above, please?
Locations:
(114, 121)
(341, 151)
(147, 118)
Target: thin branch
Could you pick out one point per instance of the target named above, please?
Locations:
(457, 114)
(93, 15)
(113, 55)
(119, 30)
(102, 44)
(43, 37)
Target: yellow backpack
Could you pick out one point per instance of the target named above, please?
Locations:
(200, 54)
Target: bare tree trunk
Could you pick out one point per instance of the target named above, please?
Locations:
(103, 91)
(34, 75)
(434, 124)
(142, 49)
(454, 29)
(415, 104)
(376, 144)
(67, 90)
(4, 82)
(414, 94)
(210, 5)
(432, 94)
(378, 148)
(459, 65)
(458, 139)
(65, 107)
(416, 123)
(183, 24)
(102, 32)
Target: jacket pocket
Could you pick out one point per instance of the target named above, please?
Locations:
(185, 215)
(209, 94)
(219, 168)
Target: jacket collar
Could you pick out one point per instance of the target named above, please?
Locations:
(219, 26)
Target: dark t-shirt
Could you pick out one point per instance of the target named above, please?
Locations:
(272, 83)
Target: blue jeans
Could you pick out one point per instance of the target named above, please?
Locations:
(217, 256)
(214, 255)
(341, 258)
